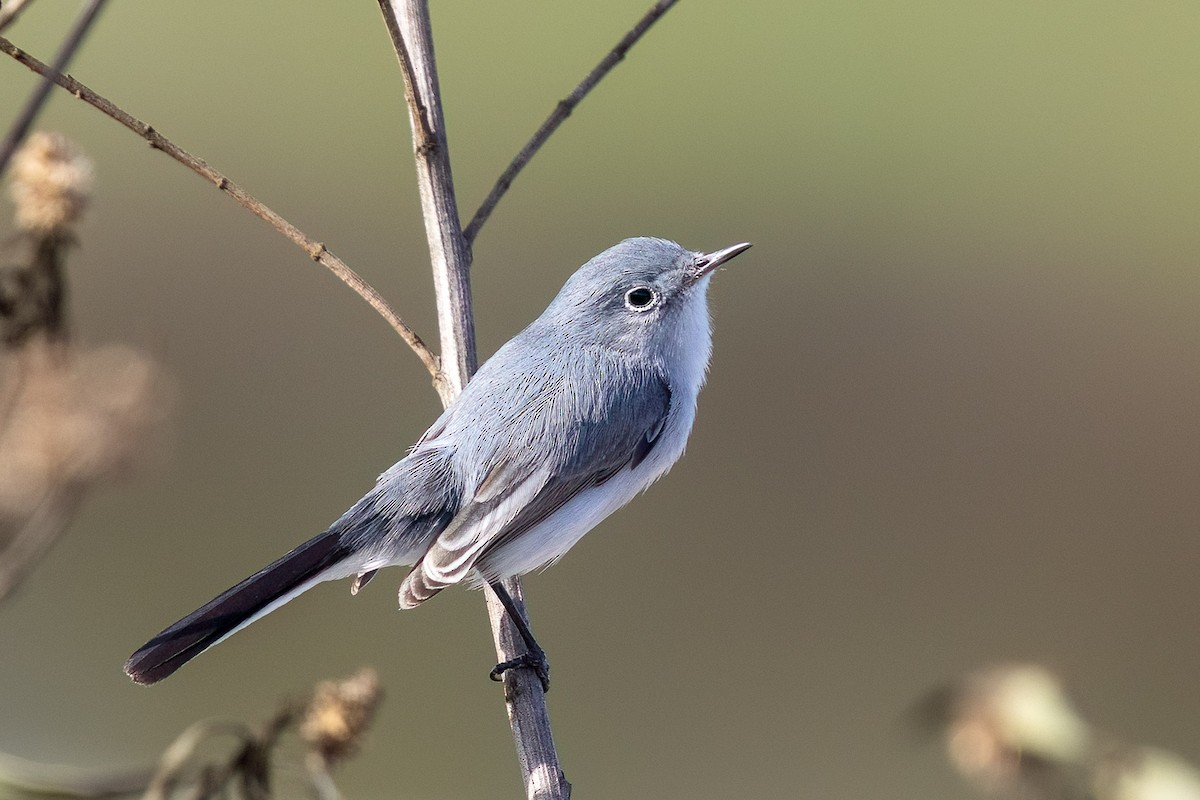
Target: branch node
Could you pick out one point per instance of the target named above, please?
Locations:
(158, 142)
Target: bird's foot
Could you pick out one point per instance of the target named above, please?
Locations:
(533, 659)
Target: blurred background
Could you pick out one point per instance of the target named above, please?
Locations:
(951, 418)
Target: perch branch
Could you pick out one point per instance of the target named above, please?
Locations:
(560, 114)
(408, 23)
(315, 250)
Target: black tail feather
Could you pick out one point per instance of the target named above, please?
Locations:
(233, 608)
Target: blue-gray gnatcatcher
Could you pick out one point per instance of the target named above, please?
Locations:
(565, 424)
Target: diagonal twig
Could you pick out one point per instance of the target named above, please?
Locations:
(20, 777)
(36, 534)
(315, 250)
(23, 122)
(560, 114)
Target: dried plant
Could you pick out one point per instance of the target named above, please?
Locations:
(71, 417)
(339, 714)
(51, 184)
(331, 725)
(1012, 732)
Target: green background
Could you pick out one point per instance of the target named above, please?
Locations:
(951, 419)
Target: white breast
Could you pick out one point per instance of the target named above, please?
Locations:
(686, 350)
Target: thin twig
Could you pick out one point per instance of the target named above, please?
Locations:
(318, 776)
(12, 10)
(179, 752)
(21, 777)
(18, 370)
(560, 114)
(23, 122)
(423, 135)
(315, 250)
(38, 533)
(408, 21)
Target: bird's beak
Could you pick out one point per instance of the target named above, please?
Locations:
(706, 263)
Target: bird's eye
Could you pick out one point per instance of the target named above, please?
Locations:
(641, 298)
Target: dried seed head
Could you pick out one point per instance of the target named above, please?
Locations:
(51, 182)
(75, 417)
(1008, 724)
(339, 714)
(1144, 773)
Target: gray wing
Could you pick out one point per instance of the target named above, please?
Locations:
(601, 433)
(409, 505)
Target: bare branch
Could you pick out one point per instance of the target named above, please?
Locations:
(21, 777)
(525, 698)
(423, 135)
(315, 250)
(560, 114)
(36, 535)
(408, 22)
(23, 122)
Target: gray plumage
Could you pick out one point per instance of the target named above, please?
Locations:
(566, 423)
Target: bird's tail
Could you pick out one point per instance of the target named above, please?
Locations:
(316, 560)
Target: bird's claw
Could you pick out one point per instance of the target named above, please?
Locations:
(534, 660)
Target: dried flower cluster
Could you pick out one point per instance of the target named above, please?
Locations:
(51, 182)
(1012, 732)
(339, 714)
(70, 416)
(1004, 715)
(73, 417)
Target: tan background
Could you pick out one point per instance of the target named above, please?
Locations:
(952, 415)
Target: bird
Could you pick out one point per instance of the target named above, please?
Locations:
(567, 422)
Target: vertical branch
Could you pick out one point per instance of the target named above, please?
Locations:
(526, 702)
(408, 25)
